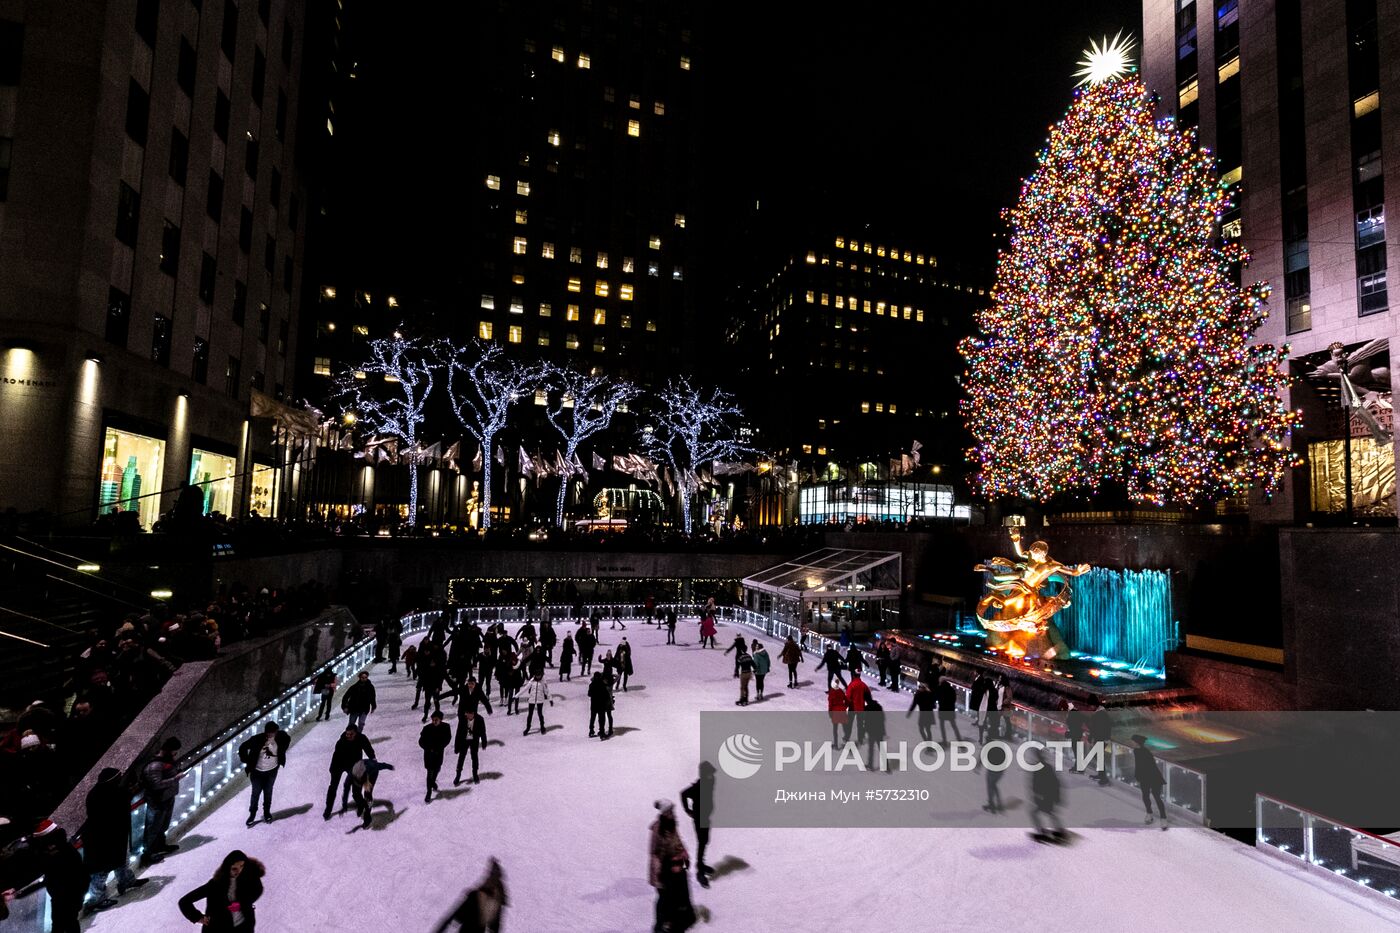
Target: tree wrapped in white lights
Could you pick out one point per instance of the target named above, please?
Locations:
(688, 429)
(388, 393)
(584, 405)
(483, 385)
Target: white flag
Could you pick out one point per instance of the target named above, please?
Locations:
(598, 462)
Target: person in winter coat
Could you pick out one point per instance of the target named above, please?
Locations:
(1045, 797)
(228, 897)
(925, 702)
(380, 634)
(548, 637)
(434, 740)
(600, 707)
(671, 626)
(998, 758)
(65, 879)
(432, 668)
(989, 710)
(740, 646)
(262, 756)
(857, 699)
(511, 678)
(481, 910)
(537, 695)
(325, 685)
(363, 776)
(791, 656)
(947, 711)
(609, 665)
(106, 839)
(708, 631)
(394, 637)
(762, 663)
(845, 639)
(698, 801)
(358, 701)
(537, 663)
(855, 661)
(471, 739)
(669, 863)
(837, 709)
(1149, 778)
(623, 661)
(882, 660)
(586, 642)
(745, 662)
(349, 748)
(566, 658)
(410, 661)
(831, 660)
(1100, 733)
(893, 667)
(872, 723)
(486, 663)
(160, 784)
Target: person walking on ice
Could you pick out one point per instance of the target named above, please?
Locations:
(537, 695)
(791, 656)
(434, 740)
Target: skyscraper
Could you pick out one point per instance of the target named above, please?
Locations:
(1299, 102)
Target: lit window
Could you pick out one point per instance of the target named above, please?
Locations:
(865, 408)
(519, 246)
(599, 346)
(918, 259)
(626, 322)
(571, 313)
(585, 60)
(575, 285)
(634, 102)
(624, 292)
(880, 407)
(522, 217)
(855, 246)
(1186, 95)
(840, 242)
(680, 221)
(840, 301)
(553, 137)
(608, 94)
(484, 330)
(517, 277)
(515, 333)
(575, 254)
(653, 269)
(522, 188)
(557, 53)
(600, 317)
(806, 448)
(880, 308)
(685, 63)
(602, 260)
(546, 250)
(322, 366)
(392, 301)
(359, 374)
(627, 264)
(651, 327)
(1229, 69)
(600, 288)
(879, 251)
(546, 309)
(634, 127)
(866, 306)
(866, 247)
(571, 341)
(493, 182)
(488, 302)
(361, 330)
(659, 108)
(1359, 107)
(541, 396)
(389, 377)
(908, 312)
(811, 297)
(517, 306)
(542, 340)
(654, 242)
(677, 273)
(328, 291)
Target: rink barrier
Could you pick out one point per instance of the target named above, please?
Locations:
(1344, 854)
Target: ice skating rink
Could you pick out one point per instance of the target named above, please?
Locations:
(567, 816)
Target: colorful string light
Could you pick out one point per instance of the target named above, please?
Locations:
(1117, 351)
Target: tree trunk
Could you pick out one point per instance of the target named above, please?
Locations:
(487, 441)
(412, 493)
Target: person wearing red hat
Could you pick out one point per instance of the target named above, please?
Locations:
(64, 877)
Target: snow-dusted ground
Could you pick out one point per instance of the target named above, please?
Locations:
(567, 816)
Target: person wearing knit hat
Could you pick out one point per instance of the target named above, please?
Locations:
(668, 871)
(64, 877)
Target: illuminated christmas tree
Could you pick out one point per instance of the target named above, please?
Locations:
(1117, 353)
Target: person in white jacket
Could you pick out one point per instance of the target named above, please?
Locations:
(537, 695)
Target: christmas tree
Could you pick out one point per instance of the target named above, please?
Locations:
(1117, 353)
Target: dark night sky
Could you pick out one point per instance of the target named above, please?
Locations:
(921, 120)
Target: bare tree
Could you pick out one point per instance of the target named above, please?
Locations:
(584, 405)
(688, 429)
(388, 393)
(483, 385)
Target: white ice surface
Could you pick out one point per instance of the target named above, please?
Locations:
(567, 816)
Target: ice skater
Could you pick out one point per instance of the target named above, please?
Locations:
(349, 748)
(471, 738)
(791, 656)
(566, 658)
(947, 711)
(1149, 779)
(698, 801)
(761, 665)
(363, 775)
(228, 897)
(997, 758)
(708, 631)
(600, 707)
(537, 695)
(668, 873)
(434, 740)
(739, 647)
(838, 711)
(623, 660)
(262, 755)
(925, 702)
(1045, 799)
(831, 660)
(481, 910)
(324, 686)
(671, 625)
(358, 701)
(586, 642)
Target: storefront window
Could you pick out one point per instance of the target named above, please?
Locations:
(213, 474)
(131, 475)
(260, 498)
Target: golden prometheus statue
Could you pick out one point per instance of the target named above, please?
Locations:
(1014, 602)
